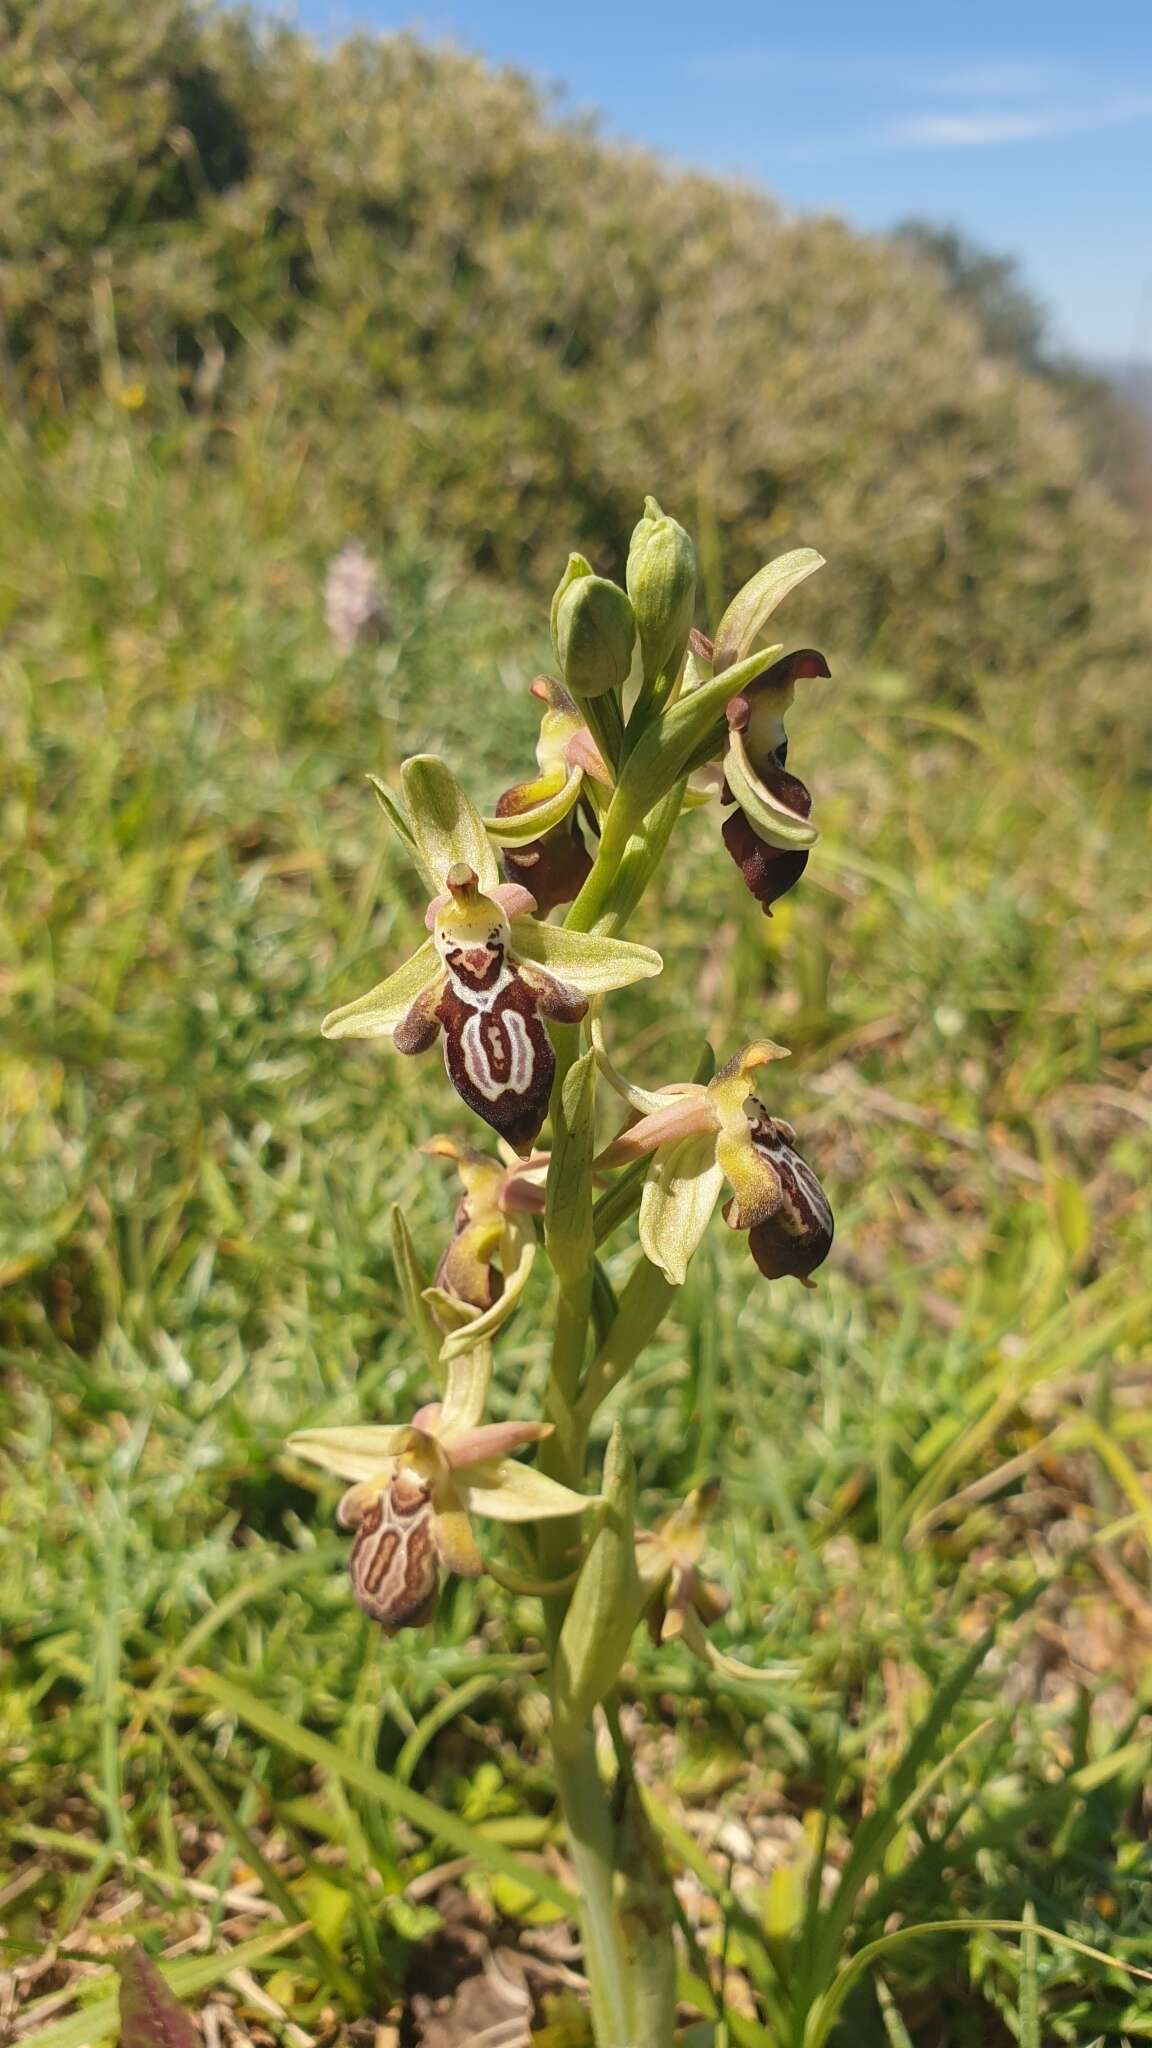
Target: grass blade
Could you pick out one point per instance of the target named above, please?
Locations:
(422, 1813)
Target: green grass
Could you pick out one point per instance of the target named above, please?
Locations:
(947, 1442)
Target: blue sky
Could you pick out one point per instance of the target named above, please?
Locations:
(1027, 125)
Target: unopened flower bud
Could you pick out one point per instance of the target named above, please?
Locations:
(595, 634)
(661, 581)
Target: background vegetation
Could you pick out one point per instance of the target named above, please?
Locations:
(258, 298)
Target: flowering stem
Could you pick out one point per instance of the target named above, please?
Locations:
(591, 1834)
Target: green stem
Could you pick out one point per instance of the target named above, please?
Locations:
(591, 1833)
(643, 1306)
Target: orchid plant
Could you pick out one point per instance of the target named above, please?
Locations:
(526, 910)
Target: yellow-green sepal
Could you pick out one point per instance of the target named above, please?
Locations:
(584, 960)
(377, 1014)
(518, 828)
(774, 823)
(752, 607)
(680, 1193)
(467, 1325)
(446, 825)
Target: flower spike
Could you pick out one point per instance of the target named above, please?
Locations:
(491, 975)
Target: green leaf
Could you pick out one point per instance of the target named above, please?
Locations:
(606, 1605)
(377, 1014)
(438, 1823)
(150, 2017)
(586, 961)
(752, 607)
(446, 825)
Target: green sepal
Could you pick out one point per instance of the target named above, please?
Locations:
(576, 567)
(377, 1014)
(446, 825)
(666, 749)
(752, 607)
(412, 1285)
(773, 821)
(568, 1232)
(397, 817)
(584, 960)
(606, 1605)
(681, 1190)
(520, 827)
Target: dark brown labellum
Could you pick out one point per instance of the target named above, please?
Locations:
(499, 1058)
(769, 871)
(797, 1237)
(393, 1563)
(555, 867)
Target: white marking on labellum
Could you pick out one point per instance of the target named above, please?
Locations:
(498, 1054)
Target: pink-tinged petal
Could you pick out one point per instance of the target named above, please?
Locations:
(681, 1118)
(514, 899)
(428, 1418)
(493, 1440)
(582, 752)
(521, 1196)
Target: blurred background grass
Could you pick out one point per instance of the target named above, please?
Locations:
(259, 299)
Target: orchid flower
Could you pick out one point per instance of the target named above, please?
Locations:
(417, 1485)
(537, 823)
(491, 975)
(699, 1135)
(683, 1604)
(485, 1266)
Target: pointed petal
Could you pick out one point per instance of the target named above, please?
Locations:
(446, 825)
(377, 1014)
(516, 828)
(353, 1453)
(452, 1535)
(775, 822)
(684, 1118)
(583, 960)
(518, 1250)
(680, 1193)
(491, 1440)
(508, 1492)
(397, 817)
(646, 1100)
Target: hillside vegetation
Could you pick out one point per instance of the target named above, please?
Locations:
(486, 323)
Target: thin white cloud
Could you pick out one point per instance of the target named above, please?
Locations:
(986, 128)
